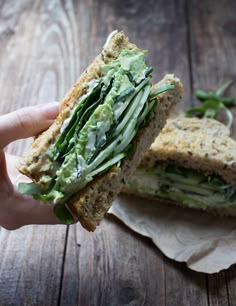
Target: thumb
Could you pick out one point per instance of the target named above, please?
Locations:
(26, 122)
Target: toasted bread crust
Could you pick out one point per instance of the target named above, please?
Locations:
(200, 144)
(91, 204)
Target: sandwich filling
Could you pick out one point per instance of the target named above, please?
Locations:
(185, 186)
(99, 131)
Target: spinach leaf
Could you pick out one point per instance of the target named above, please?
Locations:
(63, 214)
(85, 116)
(62, 143)
(29, 188)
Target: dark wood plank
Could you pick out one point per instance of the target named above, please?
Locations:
(213, 45)
(39, 59)
(217, 288)
(31, 265)
(213, 30)
(184, 286)
(113, 266)
(158, 26)
(231, 284)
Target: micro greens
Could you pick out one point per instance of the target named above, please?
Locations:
(212, 103)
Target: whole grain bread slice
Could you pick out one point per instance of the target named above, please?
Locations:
(200, 144)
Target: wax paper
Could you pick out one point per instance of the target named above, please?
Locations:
(206, 243)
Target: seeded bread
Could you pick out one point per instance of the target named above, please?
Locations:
(200, 144)
(92, 202)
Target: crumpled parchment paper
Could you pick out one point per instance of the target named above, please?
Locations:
(205, 242)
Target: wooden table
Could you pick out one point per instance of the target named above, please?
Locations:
(44, 46)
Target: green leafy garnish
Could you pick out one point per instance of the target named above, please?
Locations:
(212, 103)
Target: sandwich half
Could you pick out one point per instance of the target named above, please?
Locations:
(192, 163)
(106, 122)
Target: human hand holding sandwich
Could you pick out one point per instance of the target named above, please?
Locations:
(110, 116)
(16, 209)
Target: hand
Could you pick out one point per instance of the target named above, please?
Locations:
(16, 209)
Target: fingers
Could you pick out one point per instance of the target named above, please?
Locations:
(34, 212)
(20, 210)
(26, 122)
(17, 210)
(4, 178)
(12, 161)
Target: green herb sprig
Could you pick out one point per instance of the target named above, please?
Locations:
(212, 103)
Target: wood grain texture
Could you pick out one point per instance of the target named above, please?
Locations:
(213, 43)
(112, 267)
(184, 286)
(30, 266)
(217, 288)
(39, 58)
(230, 275)
(213, 59)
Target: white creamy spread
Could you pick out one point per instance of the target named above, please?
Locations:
(118, 109)
(92, 84)
(97, 136)
(102, 128)
(64, 125)
(109, 38)
(90, 146)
